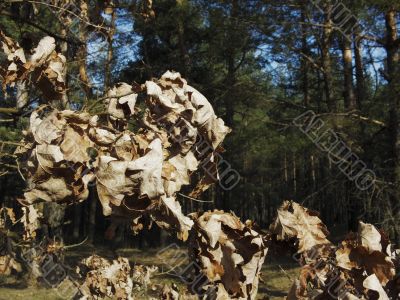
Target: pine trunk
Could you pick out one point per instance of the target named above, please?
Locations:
(349, 97)
(393, 77)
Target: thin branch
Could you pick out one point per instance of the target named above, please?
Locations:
(355, 116)
(295, 105)
(13, 143)
(372, 121)
(19, 170)
(9, 110)
(7, 121)
(62, 9)
(373, 39)
(75, 245)
(9, 166)
(7, 155)
(197, 200)
(169, 271)
(284, 272)
(309, 59)
(37, 26)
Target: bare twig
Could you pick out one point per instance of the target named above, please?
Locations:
(194, 199)
(9, 166)
(19, 170)
(13, 143)
(284, 272)
(41, 28)
(354, 115)
(7, 121)
(9, 110)
(75, 245)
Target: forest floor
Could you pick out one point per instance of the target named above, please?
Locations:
(277, 272)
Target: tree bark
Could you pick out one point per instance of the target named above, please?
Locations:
(349, 97)
(82, 52)
(185, 60)
(64, 51)
(393, 77)
(360, 77)
(294, 174)
(110, 51)
(304, 62)
(230, 60)
(326, 59)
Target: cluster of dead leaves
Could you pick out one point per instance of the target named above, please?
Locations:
(102, 279)
(227, 254)
(105, 279)
(44, 67)
(8, 264)
(226, 260)
(361, 267)
(135, 173)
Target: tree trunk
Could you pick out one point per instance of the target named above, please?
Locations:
(82, 52)
(304, 62)
(230, 60)
(360, 77)
(294, 174)
(392, 50)
(349, 97)
(64, 51)
(326, 59)
(110, 36)
(185, 60)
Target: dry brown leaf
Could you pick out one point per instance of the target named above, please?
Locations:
(170, 293)
(30, 220)
(8, 264)
(372, 283)
(75, 144)
(102, 136)
(148, 168)
(295, 221)
(46, 130)
(168, 215)
(10, 214)
(112, 183)
(180, 169)
(369, 237)
(121, 102)
(42, 52)
(125, 148)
